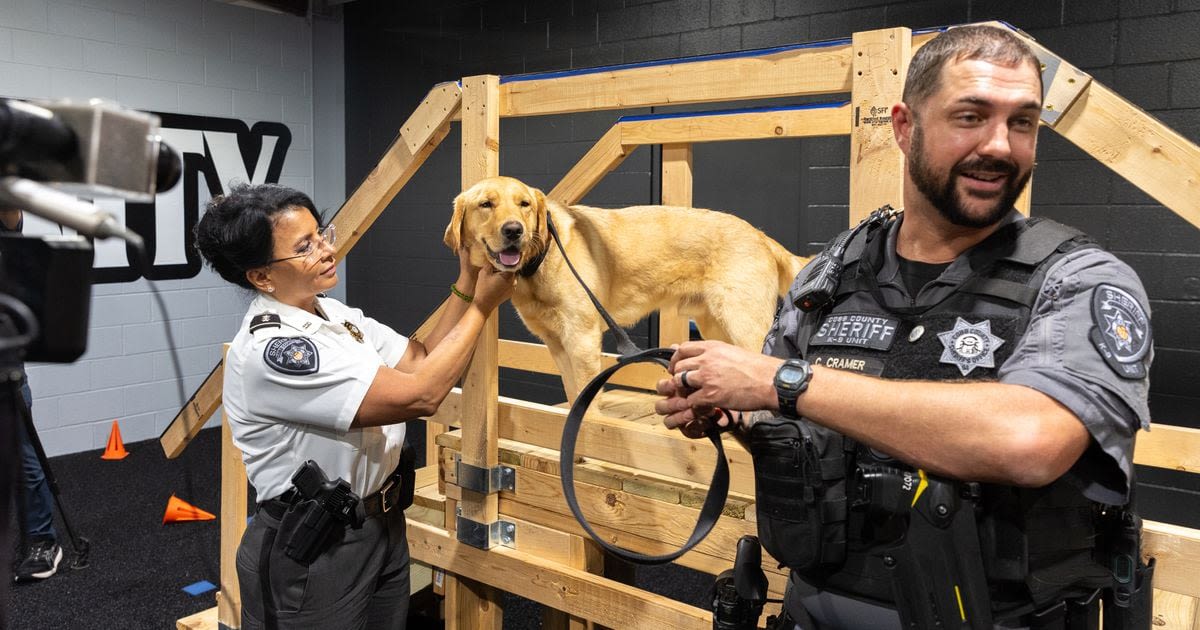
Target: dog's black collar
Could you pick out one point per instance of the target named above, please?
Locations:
(534, 263)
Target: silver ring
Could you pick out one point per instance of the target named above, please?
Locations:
(683, 379)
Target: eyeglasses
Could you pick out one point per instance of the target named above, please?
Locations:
(328, 235)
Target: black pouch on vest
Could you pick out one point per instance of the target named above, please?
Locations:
(800, 487)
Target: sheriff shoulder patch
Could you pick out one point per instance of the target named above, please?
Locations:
(296, 356)
(1122, 331)
(264, 320)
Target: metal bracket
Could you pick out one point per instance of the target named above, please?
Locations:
(484, 480)
(485, 535)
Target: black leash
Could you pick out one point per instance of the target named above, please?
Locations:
(625, 345)
(718, 487)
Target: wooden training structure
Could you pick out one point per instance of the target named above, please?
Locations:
(639, 484)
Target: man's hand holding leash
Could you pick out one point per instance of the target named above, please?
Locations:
(711, 375)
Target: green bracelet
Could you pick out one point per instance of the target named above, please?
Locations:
(466, 298)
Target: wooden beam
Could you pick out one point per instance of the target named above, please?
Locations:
(474, 605)
(1136, 146)
(535, 357)
(551, 584)
(782, 122)
(599, 161)
(396, 166)
(1173, 611)
(357, 214)
(876, 162)
(673, 326)
(653, 448)
(1178, 551)
(1171, 447)
(234, 496)
(194, 414)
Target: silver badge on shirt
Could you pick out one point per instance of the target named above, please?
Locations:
(969, 346)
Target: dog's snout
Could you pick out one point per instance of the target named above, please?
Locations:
(512, 230)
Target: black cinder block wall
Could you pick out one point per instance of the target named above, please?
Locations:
(794, 190)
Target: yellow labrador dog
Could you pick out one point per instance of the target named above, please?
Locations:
(721, 271)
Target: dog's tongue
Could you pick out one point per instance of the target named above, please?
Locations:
(510, 258)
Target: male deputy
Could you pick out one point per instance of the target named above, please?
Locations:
(969, 343)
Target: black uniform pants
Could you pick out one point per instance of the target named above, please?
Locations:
(360, 582)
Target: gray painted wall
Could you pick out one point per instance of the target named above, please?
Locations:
(178, 56)
(795, 190)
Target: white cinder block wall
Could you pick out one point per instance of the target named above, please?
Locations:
(179, 56)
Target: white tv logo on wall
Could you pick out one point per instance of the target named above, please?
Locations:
(217, 152)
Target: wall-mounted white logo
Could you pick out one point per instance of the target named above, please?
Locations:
(217, 153)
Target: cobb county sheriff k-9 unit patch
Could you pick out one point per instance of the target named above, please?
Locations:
(969, 346)
(1122, 331)
(296, 356)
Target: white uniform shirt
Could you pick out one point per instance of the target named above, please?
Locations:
(285, 408)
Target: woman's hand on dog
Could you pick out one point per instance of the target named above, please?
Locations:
(717, 375)
(493, 288)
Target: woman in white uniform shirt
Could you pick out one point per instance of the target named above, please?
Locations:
(308, 378)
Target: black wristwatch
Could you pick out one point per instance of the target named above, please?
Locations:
(791, 379)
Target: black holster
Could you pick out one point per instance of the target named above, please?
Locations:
(1139, 612)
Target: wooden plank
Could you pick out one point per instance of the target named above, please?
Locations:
(876, 162)
(599, 161)
(750, 125)
(712, 563)
(194, 414)
(651, 448)
(470, 604)
(1173, 611)
(1178, 551)
(534, 357)
(203, 620)
(438, 106)
(357, 214)
(234, 496)
(1136, 146)
(674, 327)
(551, 584)
(1166, 446)
(392, 172)
(432, 429)
(821, 68)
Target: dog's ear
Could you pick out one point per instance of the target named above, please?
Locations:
(454, 231)
(541, 211)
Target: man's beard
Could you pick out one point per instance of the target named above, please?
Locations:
(943, 194)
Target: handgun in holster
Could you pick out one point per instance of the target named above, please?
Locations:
(938, 578)
(327, 507)
(1129, 604)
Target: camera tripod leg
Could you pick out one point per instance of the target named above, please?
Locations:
(80, 545)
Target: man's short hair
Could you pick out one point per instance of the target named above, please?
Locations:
(988, 43)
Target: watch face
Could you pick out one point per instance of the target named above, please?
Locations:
(790, 376)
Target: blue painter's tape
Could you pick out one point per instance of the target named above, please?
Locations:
(199, 588)
(727, 112)
(759, 52)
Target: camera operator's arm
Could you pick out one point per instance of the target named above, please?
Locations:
(10, 220)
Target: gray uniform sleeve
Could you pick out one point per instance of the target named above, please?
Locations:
(1088, 346)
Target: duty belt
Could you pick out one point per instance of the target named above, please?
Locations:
(376, 504)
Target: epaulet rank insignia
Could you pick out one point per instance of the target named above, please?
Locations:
(264, 320)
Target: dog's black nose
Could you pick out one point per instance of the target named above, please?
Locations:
(512, 230)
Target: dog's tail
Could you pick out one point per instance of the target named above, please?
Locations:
(786, 263)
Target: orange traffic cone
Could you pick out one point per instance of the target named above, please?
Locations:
(115, 448)
(179, 510)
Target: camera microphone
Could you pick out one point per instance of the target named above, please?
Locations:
(89, 149)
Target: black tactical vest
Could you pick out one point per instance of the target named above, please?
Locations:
(1038, 544)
